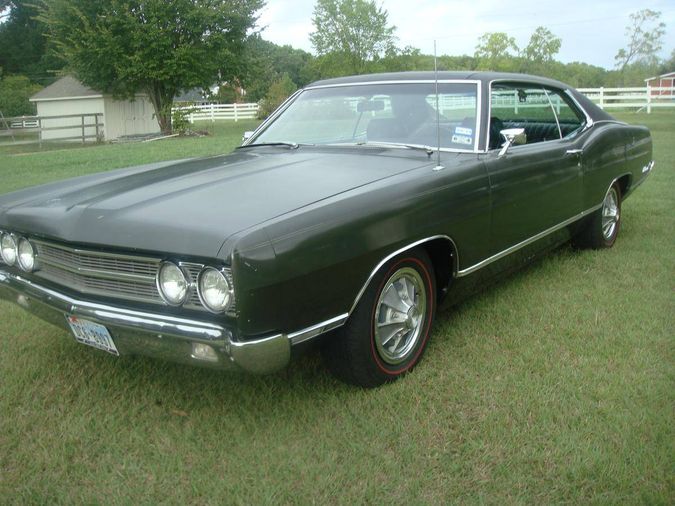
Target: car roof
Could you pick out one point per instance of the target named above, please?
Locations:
(472, 75)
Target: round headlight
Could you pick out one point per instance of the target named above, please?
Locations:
(8, 249)
(26, 255)
(215, 291)
(172, 284)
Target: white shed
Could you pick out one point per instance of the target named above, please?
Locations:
(68, 110)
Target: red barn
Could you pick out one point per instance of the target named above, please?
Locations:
(662, 81)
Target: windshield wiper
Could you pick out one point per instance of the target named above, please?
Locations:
(427, 149)
(292, 145)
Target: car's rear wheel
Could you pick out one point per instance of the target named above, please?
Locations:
(388, 331)
(602, 227)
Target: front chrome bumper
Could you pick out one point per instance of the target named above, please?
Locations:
(150, 334)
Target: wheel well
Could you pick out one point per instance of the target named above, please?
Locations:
(443, 257)
(624, 184)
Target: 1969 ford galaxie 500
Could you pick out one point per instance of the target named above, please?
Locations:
(355, 208)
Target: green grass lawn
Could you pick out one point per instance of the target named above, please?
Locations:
(554, 386)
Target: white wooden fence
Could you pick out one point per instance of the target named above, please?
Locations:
(213, 112)
(642, 98)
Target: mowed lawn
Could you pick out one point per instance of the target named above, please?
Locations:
(555, 385)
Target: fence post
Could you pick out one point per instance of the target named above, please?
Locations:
(649, 99)
(40, 131)
(236, 118)
(602, 98)
(82, 128)
(213, 118)
(96, 121)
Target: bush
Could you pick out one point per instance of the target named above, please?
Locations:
(15, 90)
(180, 122)
(279, 91)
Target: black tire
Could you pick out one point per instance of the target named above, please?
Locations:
(597, 232)
(356, 353)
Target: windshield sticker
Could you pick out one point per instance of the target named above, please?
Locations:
(463, 131)
(462, 139)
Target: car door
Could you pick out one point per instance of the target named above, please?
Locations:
(537, 185)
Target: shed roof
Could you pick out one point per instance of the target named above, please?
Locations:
(667, 74)
(64, 88)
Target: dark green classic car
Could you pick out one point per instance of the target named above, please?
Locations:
(350, 213)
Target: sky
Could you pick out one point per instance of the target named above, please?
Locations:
(592, 31)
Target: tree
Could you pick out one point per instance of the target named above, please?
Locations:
(669, 64)
(495, 51)
(542, 47)
(23, 46)
(14, 94)
(158, 47)
(645, 39)
(266, 62)
(279, 91)
(351, 33)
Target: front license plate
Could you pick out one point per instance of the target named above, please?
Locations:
(92, 334)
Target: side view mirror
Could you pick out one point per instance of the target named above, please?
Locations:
(247, 135)
(512, 137)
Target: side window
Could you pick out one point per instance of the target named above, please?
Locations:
(571, 120)
(524, 106)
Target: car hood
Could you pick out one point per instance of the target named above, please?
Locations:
(191, 207)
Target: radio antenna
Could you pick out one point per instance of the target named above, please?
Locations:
(438, 114)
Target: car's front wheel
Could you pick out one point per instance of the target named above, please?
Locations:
(388, 331)
(602, 227)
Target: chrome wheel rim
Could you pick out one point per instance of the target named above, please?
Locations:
(610, 214)
(399, 315)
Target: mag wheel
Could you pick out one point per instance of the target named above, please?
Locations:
(602, 227)
(388, 331)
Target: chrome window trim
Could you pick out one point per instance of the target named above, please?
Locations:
(397, 81)
(589, 120)
(261, 128)
(555, 114)
(566, 91)
(267, 121)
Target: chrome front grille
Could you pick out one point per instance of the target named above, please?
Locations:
(109, 274)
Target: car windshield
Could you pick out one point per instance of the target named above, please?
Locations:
(397, 113)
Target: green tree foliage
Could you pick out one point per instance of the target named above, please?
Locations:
(645, 39)
(23, 46)
(349, 35)
(266, 62)
(496, 51)
(14, 94)
(279, 91)
(669, 64)
(158, 47)
(542, 47)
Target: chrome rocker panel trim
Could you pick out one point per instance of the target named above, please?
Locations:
(522, 244)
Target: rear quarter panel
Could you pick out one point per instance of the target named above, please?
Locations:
(613, 150)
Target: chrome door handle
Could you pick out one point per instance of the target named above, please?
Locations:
(574, 151)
